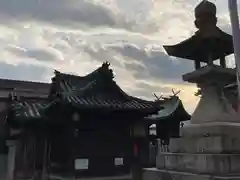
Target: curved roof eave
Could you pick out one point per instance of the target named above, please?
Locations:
(171, 106)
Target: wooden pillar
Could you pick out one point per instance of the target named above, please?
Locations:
(45, 159)
(39, 155)
(174, 125)
(137, 172)
(197, 64)
(210, 58)
(223, 62)
(137, 164)
(12, 146)
(210, 62)
(25, 159)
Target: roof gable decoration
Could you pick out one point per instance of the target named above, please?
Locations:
(105, 72)
(67, 83)
(172, 106)
(96, 89)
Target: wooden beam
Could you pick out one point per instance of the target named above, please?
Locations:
(197, 64)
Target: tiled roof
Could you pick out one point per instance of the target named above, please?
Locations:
(98, 90)
(99, 102)
(171, 107)
(195, 47)
(10, 84)
(95, 90)
(28, 109)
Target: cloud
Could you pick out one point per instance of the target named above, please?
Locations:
(144, 64)
(78, 14)
(47, 54)
(56, 11)
(137, 15)
(146, 90)
(75, 36)
(24, 72)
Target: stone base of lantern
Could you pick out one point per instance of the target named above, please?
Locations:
(204, 152)
(161, 174)
(209, 147)
(213, 106)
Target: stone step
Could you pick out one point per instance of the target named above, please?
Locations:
(211, 129)
(159, 174)
(123, 177)
(200, 144)
(199, 163)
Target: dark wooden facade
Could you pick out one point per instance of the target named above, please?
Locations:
(169, 119)
(25, 89)
(87, 120)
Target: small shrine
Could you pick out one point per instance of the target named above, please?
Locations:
(208, 147)
(167, 122)
(169, 119)
(87, 127)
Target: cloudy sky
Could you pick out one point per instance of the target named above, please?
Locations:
(76, 36)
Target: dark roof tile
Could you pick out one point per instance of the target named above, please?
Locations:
(195, 47)
(172, 107)
(97, 90)
(29, 109)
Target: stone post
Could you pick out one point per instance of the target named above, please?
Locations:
(12, 147)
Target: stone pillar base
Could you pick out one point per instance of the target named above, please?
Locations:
(205, 151)
(160, 174)
(202, 163)
(209, 147)
(211, 129)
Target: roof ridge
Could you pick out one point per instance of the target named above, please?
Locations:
(66, 74)
(74, 91)
(104, 68)
(24, 81)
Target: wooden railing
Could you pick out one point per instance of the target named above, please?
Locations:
(154, 149)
